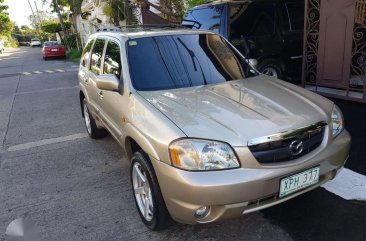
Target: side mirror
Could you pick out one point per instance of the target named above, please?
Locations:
(108, 82)
(253, 63)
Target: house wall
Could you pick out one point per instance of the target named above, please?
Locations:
(319, 42)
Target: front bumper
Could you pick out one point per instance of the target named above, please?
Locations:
(231, 193)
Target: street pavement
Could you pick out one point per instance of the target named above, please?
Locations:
(69, 187)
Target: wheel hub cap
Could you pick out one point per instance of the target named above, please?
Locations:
(142, 192)
(270, 71)
(87, 119)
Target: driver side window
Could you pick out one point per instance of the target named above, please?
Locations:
(112, 59)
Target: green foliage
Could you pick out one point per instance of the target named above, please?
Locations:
(25, 28)
(70, 41)
(193, 3)
(9, 41)
(75, 5)
(24, 34)
(6, 26)
(114, 9)
(74, 54)
(54, 27)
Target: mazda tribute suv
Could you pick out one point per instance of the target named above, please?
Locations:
(207, 136)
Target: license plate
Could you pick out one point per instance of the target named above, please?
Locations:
(299, 181)
(54, 50)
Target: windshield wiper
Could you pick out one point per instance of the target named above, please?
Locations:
(193, 56)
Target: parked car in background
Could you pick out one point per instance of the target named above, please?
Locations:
(53, 49)
(2, 47)
(35, 42)
(270, 31)
(207, 136)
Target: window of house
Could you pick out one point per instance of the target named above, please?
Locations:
(86, 53)
(96, 56)
(112, 59)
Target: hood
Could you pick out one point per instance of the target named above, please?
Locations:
(237, 111)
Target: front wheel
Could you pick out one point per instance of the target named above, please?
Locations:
(149, 201)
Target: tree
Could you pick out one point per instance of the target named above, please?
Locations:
(25, 28)
(115, 10)
(55, 27)
(39, 17)
(193, 3)
(6, 26)
(171, 10)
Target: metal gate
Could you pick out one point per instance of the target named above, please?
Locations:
(334, 62)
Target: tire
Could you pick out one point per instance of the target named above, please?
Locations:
(157, 217)
(92, 129)
(44, 58)
(272, 68)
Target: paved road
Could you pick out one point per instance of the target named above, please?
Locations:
(73, 188)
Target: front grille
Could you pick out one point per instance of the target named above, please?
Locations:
(287, 146)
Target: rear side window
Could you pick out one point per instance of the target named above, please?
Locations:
(86, 53)
(112, 59)
(208, 18)
(255, 19)
(96, 56)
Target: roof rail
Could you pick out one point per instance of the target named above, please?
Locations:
(109, 29)
(131, 28)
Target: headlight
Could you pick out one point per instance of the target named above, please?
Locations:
(337, 121)
(201, 155)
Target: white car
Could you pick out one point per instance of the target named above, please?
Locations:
(35, 43)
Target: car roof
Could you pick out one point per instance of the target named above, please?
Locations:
(141, 33)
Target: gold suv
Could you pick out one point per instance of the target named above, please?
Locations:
(208, 137)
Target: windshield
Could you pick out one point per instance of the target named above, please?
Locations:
(178, 61)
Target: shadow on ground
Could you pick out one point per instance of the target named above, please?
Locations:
(320, 215)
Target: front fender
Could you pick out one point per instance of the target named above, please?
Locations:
(132, 132)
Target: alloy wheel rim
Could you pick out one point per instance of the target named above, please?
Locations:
(270, 71)
(87, 119)
(142, 192)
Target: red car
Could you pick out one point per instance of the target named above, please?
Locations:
(53, 49)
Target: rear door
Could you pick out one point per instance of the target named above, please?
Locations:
(95, 69)
(84, 74)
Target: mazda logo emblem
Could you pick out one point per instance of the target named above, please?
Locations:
(296, 147)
